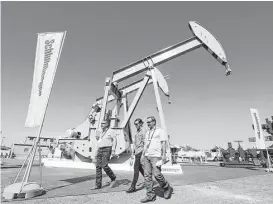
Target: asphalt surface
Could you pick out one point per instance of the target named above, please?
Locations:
(15, 163)
(198, 184)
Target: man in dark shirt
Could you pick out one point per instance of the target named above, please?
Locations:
(138, 146)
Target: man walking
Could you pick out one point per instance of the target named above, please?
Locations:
(138, 145)
(106, 145)
(154, 151)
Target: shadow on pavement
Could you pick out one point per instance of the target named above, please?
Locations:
(76, 180)
(160, 191)
(252, 168)
(57, 187)
(120, 182)
(81, 179)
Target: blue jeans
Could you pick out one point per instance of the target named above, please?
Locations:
(103, 157)
(151, 169)
(137, 168)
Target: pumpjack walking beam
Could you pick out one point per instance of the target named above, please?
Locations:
(202, 38)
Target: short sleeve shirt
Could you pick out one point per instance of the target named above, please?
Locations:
(156, 136)
(106, 138)
(139, 141)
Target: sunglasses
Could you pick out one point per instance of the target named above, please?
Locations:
(149, 121)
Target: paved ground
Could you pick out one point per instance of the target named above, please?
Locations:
(15, 163)
(198, 184)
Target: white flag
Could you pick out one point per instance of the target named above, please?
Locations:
(260, 144)
(48, 51)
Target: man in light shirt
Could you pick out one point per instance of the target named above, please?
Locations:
(106, 146)
(154, 152)
(138, 145)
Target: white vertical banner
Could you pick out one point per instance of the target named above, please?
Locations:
(48, 51)
(260, 144)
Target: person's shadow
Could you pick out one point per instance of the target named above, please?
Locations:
(76, 180)
(159, 191)
(118, 183)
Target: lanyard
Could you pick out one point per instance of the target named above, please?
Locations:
(150, 137)
(103, 133)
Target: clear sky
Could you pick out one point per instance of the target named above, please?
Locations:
(207, 107)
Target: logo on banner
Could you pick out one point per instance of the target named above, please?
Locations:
(257, 125)
(47, 56)
(48, 50)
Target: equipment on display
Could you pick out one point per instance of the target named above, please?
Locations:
(81, 144)
(117, 96)
(261, 155)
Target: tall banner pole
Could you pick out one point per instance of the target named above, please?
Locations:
(40, 161)
(48, 51)
(43, 118)
(29, 153)
(260, 143)
(268, 159)
(35, 149)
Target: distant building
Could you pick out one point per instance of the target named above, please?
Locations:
(21, 150)
(5, 151)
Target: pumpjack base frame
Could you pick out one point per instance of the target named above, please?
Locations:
(65, 163)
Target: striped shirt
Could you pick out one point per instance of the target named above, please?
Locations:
(139, 141)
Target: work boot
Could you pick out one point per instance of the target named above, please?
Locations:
(131, 189)
(113, 182)
(168, 192)
(148, 199)
(97, 187)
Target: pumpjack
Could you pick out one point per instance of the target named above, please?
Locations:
(81, 139)
(84, 144)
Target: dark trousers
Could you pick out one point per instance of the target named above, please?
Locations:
(103, 157)
(137, 168)
(151, 169)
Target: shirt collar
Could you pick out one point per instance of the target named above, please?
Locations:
(104, 131)
(140, 130)
(153, 129)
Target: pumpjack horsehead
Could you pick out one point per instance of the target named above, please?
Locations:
(86, 148)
